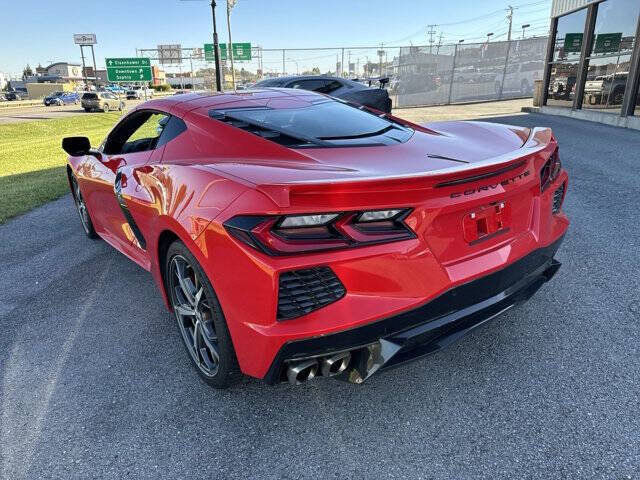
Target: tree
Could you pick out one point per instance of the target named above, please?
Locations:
(27, 72)
(315, 71)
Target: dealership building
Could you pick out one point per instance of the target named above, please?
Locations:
(592, 68)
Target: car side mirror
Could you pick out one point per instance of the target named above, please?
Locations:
(76, 146)
(79, 146)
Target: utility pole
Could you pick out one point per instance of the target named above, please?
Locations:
(216, 47)
(439, 43)
(431, 32)
(510, 18)
(230, 5)
(380, 55)
(349, 64)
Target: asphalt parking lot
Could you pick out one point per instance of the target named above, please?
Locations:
(94, 382)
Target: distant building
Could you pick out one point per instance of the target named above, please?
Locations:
(69, 72)
(159, 76)
(3, 81)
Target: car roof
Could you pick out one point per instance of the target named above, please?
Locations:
(180, 104)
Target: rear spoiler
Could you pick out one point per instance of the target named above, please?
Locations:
(281, 193)
(381, 80)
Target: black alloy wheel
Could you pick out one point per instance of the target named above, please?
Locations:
(200, 319)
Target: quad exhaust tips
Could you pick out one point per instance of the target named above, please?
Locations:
(300, 372)
(328, 366)
(336, 364)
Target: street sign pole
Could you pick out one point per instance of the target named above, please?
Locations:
(84, 69)
(95, 70)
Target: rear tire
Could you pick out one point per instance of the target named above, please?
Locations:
(105, 108)
(201, 322)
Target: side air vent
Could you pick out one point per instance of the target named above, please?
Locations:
(558, 196)
(303, 291)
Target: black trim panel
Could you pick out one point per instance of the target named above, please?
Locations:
(440, 321)
(117, 188)
(495, 173)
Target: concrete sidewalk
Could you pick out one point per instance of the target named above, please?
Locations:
(467, 111)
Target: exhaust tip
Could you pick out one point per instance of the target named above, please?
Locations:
(335, 364)
(302, 371)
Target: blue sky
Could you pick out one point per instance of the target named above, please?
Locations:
(41, 31)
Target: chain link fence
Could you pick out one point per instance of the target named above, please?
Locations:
(439, 75)
(418, 75)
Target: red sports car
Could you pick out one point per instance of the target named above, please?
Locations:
(293, 235)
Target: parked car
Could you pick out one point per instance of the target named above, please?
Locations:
(520, 77)
(606, 89)
(49, 98)
(62, 98)
(115, 89)
(15, 95)
(417, 83)
(137, 93)
(104, 101)
(342, 88)
(562, 87)
(284, 252)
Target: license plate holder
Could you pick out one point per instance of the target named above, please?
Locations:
(486, 222)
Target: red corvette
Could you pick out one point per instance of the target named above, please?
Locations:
(293, 235)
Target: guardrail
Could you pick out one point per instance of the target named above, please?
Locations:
(20, 103)
(38, 103)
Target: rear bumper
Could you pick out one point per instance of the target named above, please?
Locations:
(413, 334)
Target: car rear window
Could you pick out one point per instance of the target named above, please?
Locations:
(271, 82)
(89, 96)
(324, 120)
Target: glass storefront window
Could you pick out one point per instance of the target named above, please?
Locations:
(606, 82)
(615, 28)
(569, 32)
(562, 84)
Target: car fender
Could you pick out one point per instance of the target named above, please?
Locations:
(175, 200)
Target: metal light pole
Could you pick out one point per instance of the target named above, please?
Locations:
(216, 47)
(296, 62)
(524, 27)
(230, 5)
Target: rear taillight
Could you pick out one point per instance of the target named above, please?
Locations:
(292, 234)
(550, 171)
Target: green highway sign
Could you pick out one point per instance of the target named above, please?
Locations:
(607, 42)
(241, 51)
(128, 69)
(572, 43)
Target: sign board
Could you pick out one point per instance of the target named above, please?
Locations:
(572, 43)
(241, 51)
(607, 42)
(128, 69)
(170, 54)
(84, 38)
